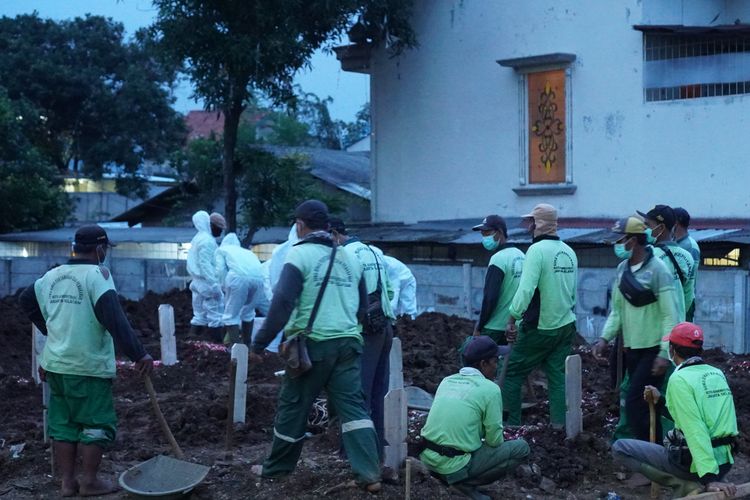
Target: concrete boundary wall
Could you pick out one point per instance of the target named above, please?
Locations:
(722, 295)
(133, 277)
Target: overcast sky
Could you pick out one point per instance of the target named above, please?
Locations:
(349, 90)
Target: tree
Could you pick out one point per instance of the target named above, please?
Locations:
(30, 196)
(106, 102)
(230, 49)
(359, 128)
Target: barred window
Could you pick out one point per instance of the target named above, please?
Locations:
(685, 66)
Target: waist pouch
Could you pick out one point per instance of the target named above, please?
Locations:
(633, 291)
(678, 452)
(446, 451)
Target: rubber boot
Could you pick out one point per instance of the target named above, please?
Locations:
(247, 332)
(214, 334)
(196, 331)
(231, 334)
(680, 487)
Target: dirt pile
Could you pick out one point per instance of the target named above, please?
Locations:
(193, 395)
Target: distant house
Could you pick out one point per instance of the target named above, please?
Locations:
(204, 124)
(362, 145)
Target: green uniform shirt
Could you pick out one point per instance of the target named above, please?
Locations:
(467, 408)
(77, 344)
(337, 316)
(510, 261)
(644, 326)
(685, 261)
(689, 244)
(701, 404)
(552, 267)
(369, 268)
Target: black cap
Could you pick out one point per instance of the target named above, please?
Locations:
(681, 216)
(479, 348)
(313, 212)
(492, 223)
(336, 224)
(92, 235)
(663, 214)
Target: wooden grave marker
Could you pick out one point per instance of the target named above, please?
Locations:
(395, 412)
(166, 328)
(573, 396)
(240, 353)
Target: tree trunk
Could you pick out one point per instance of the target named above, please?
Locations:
(232, 114)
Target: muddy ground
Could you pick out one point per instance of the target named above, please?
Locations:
(193, 397)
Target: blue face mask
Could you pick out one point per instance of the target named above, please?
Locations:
(621, 252)
(650, 237)
(489, 242)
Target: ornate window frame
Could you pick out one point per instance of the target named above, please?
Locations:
(523, 66)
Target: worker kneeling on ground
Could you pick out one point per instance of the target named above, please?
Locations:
(468, 406)
(698, 452)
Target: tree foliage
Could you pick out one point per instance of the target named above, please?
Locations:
(30, 197)
(105, 101)
(230, 49)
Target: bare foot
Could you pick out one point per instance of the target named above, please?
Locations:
(69, 489)
(98, 487)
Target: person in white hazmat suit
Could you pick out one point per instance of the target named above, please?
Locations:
(404, 286)
(273, 268)
(240, 271)
(205, 285)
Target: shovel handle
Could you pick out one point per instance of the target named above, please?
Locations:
(504, 369)
(162, 421)
(655, 488)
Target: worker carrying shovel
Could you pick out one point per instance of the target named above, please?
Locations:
(76, 306)
(697, 454)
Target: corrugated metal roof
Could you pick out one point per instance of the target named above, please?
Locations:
(349, 172)
(456, 232)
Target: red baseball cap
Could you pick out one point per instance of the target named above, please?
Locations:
(686, 334)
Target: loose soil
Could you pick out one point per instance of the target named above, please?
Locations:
(193, 397)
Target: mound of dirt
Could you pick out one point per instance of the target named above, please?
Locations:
(193, 395)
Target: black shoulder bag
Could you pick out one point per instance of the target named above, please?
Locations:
(294, 351)
(375, 319)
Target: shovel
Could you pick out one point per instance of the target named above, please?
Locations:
(655, 488)
(162, 421)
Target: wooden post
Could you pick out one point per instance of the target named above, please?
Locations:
(166, 328)
(230, 403)
(395, 413)
(407, 494)
(239, 356)
(467, 289)
(573, 396)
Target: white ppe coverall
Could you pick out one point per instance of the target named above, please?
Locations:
(239, 269)
(404, 286)
(205, 285)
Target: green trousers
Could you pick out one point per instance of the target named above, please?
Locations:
(490, 463)
(538, 348)
(335, 368)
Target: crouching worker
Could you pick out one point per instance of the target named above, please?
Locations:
(463, 435)
(697, 454)
(76, 306)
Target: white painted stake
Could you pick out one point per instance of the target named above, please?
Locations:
(240, 352)
(166, 329)
(37, 346)
(395, 414)
(396, 362)
(573, 396)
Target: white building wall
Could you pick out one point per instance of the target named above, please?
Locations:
(446, 120)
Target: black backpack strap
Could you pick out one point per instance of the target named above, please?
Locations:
(323, 285)
(377, 267)
(669, 253)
